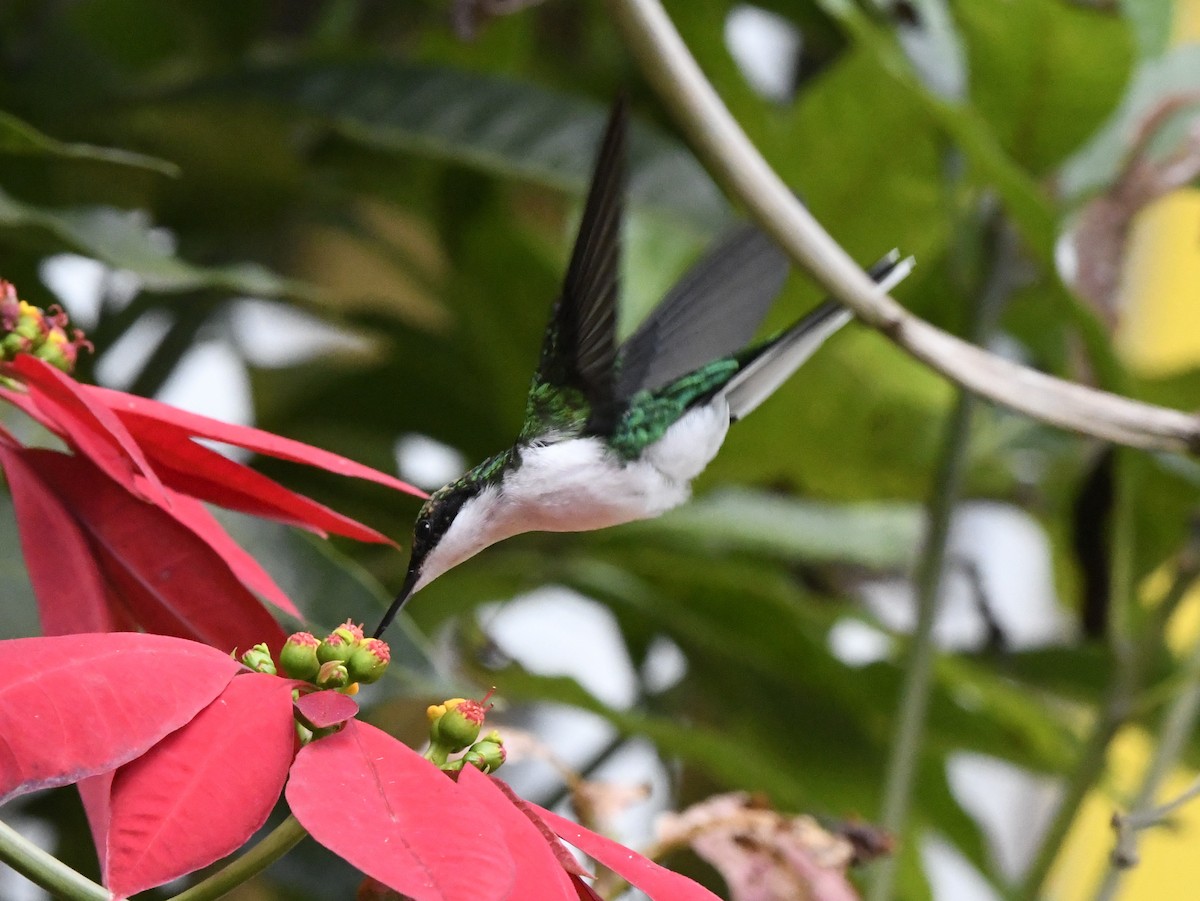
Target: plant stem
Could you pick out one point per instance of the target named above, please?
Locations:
(44, 869)
(918, 671)
(1130, 661)
(277, 843)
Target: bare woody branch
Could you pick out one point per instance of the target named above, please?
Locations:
(741, 170)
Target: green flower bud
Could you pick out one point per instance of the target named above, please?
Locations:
(455, 724)
(57, 350)
(488, 754)
(350, 631)
(258, 658)
(13, 344)
(298, 659)
(338, 645)
(332, 674)
(369, 660)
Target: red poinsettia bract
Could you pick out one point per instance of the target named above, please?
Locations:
(181, 754)
(115, 534)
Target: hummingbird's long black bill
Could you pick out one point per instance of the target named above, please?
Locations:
(406, 592)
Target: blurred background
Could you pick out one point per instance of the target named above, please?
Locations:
(345, 221)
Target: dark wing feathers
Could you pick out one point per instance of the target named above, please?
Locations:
(713, 311)
(586, 315)
(765, 367)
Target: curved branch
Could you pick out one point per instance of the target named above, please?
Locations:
(741, 170)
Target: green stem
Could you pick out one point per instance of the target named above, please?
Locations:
(277, 843)
(918, 671)
(46, 870)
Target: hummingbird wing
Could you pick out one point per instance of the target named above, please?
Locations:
(713, 311)
(769, 365)
(574, 382)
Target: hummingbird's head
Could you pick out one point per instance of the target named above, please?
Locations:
(453, 525)
(457, 522)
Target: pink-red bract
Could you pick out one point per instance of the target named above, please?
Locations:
(202, 791)
(73, 706)
(395, 816)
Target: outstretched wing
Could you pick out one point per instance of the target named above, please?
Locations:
(767, 366)
(574, 383)
(712, 312)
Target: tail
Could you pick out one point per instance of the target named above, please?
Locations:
(777, 360)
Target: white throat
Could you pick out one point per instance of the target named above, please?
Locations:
(578, 485)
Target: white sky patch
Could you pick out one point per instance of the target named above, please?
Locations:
(858, 644)
(211, 380)
(766, 47)
(83, 284)
(665, 665)
(951, 876)
(120, 362)
(273, 335)
(427, 462)
(554, 631)
(1012, 806)
(1009, 552)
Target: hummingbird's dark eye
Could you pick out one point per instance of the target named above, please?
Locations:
(423, 530)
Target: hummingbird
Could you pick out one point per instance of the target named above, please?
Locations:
(616, 431)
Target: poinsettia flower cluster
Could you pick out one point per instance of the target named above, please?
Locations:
(25, 329)
(115, 533)
(180, 753)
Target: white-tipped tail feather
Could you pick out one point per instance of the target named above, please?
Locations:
(759, 380)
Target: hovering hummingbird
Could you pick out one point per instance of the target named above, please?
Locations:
(616, 432)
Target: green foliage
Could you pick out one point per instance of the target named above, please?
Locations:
(363, 163)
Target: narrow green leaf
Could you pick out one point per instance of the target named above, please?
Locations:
(874, 534)
(19, 137)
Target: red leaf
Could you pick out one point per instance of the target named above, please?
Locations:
(89, 427)
(193, 514)
(75, 705)
(395, 816)
(141, 414)
(72, 594)
(656, 881)
(195, 470)
(202, 791)
(565, 858)
(539, 871)
(323, 709)
(584, 891)
(174, 582)
(94, 792)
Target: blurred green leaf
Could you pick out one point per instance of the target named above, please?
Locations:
(1011, 47)
(22, 138)
(498, 125)
(875, 535)
(124, 239)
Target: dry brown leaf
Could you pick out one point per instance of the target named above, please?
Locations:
(762, 854)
